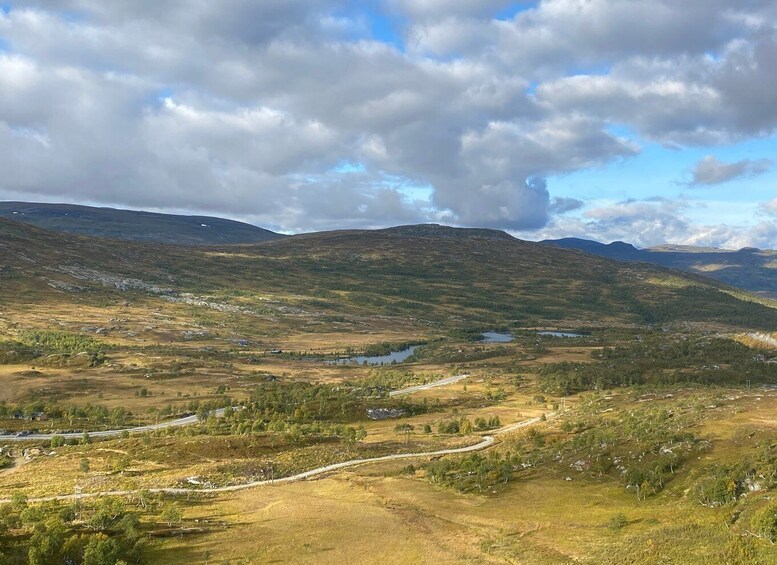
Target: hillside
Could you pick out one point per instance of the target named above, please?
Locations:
(750, 269)
(440, 282)
(135, 225)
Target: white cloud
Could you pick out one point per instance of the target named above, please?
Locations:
(646, 223)
(769, 208)
(245, 108)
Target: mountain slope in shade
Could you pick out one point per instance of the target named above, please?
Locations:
(752, 269)
(134, 225)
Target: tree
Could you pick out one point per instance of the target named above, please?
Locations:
(121, 464)
(107, 513)
(129, 526)
(171, 515)
(84, 465)
(404, 429)
(144, 498)
(18, 502)
(101, 550)
(47, 540)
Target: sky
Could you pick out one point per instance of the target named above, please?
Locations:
(646, 121)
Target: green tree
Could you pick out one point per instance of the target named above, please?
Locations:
(121, 464)
(144, 498)
(106, 514)
(102, 550)
(171, 515)
(18, 502)
(406, 429)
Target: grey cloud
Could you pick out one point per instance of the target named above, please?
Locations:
(695, 72)
(710, 170)
(559, 34)
(435, 9)
(245, 108)
(562, 205)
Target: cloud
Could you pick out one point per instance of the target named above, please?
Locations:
(561, 205)
(769, 208)
(436, 9)
(646, 223)
(710, 171)
(246, 108)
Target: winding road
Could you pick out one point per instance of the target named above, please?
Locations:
(185, 421)
(188, 420)
(487, 441)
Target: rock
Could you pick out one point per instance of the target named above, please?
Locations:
(384, 413)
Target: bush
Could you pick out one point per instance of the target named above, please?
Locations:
(618, 521)
(765, 523)
(719, 489)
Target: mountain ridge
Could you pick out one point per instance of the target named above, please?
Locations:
(135, 225)
(748, 268)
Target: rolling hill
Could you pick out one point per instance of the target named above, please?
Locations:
(135, 225)
(434, 276)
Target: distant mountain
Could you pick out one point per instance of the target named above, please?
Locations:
(135, 226)
(615, 250)
(749, 268)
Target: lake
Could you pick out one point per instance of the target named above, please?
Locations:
(393, 357)
(561, 334)
(496, 337)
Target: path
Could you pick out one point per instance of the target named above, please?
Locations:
(417, 388)
(487, 441)
(185, 421)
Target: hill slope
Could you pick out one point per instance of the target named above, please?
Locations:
(432, 281)
(135, 225)
(754, 270)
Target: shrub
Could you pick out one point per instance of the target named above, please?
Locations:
(765, 523)
(618, 521)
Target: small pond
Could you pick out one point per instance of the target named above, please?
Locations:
(496, 337)
(560, 334)
(393, 357)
